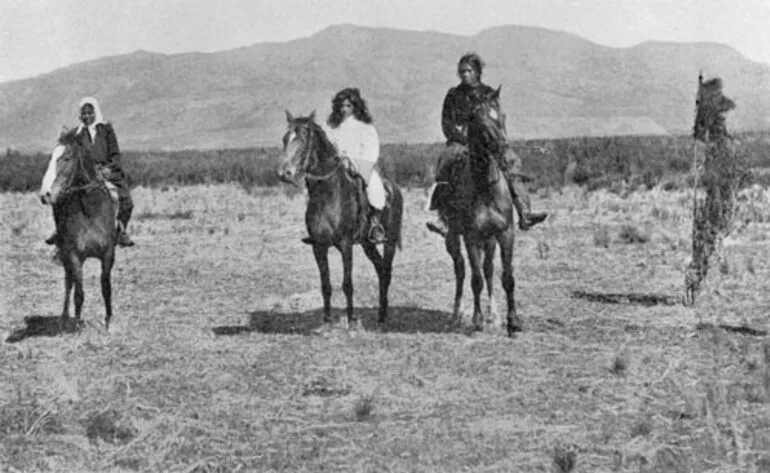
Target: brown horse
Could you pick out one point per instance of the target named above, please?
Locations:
(84, 213)
(336, 210)
(481, 212)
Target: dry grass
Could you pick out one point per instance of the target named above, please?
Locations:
(211, 365)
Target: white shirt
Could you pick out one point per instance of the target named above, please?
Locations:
(356, 139)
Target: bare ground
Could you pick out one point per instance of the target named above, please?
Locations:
(211, 364)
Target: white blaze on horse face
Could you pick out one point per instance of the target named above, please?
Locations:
(50, 174)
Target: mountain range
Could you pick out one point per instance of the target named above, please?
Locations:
(555, 84)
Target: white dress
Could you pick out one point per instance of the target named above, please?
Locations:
(359, 142)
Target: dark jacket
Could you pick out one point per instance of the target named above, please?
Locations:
(456, 111)
(104, 149)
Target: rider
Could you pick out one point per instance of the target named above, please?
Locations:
(99, 138)
(455, 115)
(350, 129)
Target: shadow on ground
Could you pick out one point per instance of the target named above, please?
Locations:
(400, 320)
(632, 298)
(42, 326)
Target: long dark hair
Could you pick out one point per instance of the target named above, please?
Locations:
(360, 110)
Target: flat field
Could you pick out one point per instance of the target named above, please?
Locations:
(211, 363)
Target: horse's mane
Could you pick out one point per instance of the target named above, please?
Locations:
(68, 137)
(325, 145)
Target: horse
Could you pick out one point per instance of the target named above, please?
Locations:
(84, 211)
(336, 209)
(480, 210)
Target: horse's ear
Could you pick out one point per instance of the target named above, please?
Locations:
(63, 131)
(312, 115)
(289, 116)
(496, 94)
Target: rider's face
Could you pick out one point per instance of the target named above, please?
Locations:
(346, 108)
(468, 74)
(87, 114)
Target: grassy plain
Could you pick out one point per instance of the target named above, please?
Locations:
(211, 365)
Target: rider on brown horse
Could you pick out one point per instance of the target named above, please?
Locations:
(99, 138)
(455, 115)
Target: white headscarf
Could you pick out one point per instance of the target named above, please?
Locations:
(98, 118)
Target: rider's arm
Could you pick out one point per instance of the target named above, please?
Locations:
(449, 120)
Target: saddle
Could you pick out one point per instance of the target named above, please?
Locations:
(364, 209)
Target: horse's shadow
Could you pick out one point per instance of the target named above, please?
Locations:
(43, 326)
(631, 298)
(401, 319)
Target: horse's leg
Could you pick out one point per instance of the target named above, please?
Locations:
(506, 241)
(490, 247)
(346, 249)
(107, 261)
(77, 272)
(477, 280)
(387, 271)
(452, 243)
(69, 281)
(382, 267)
(321, 254)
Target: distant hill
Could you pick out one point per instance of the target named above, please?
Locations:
(554, 85)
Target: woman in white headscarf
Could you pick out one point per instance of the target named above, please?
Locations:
(100, 138)
(350, 129)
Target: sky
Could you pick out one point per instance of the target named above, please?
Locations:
(38, 36)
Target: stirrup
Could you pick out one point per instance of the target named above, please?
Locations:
(439, 227)
(53, 239)
(531, 220)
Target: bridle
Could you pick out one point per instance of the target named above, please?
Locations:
(88, 186)
(312, 162)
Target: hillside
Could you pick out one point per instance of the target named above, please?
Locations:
(554, 85)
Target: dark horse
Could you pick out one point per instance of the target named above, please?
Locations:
(84, 212)
(336, 210)
(481, 212)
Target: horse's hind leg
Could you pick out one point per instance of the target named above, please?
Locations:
(107, 262)
(347, 286)
(490, 247)
(506, 241)
(321, 254)
(77, 275)
(382, 267)
(452, 244)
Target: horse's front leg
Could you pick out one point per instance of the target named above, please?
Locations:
(69, 281)
(477, 280)
(490, 248)
(452, 244)
(79, 293)
(346, 250)
(506, 241)
(321, 254)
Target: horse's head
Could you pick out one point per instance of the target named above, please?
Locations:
(69, 166)
(486, 128)
(305, 148)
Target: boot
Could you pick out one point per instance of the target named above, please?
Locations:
(527, 218)
(123, 239)
(438, 225)
(53, 239)
(376, 230)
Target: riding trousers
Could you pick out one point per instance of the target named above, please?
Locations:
(117, 177)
